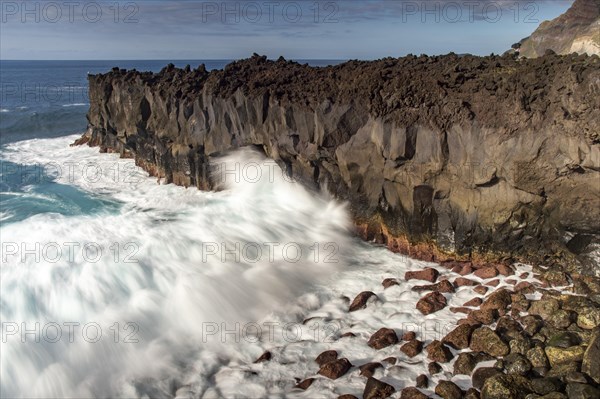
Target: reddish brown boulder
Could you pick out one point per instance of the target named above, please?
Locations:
(409, 336)
(428, 274)
(460, 309)
(367, 370)
(448, 390)
(412, 348)
(486, 272)
(464, 282)
(431, 303)
(505, 270)
(336, 368)
(376, 389)
(360, 302)
(499, 300)
(525, 287)
(480, 289)
(438, 352)
(493, 283)
(473, 302)
(442, 286)
(467, 269)
(412, 393)
(347, 396)
(384, 337)
(388, 282)
(326, 357)
(305, 384)
(459, 337)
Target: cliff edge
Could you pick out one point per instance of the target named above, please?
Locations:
(449, 157)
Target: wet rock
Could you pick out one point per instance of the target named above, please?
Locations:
(505, 270)
(412, 393)
(376, 389)
(442, 286)
(409, 336)
(582, 391)
(422, 381)
(326, 357)
(367, 370)
(412, 348)
(525, 287)
(481, 290)
(591, 362)
(390, 360)
(305, 384)
(389, 282)
(485, 340)
(564, 355)
(448, 390)
(431, 303)
(265, 357)
(499, 300)
(427, 274)
(504, 386)
(464, 282)
(481, 374)
(459, 337)
(544, 386)
(493, 283)
(438, 352)
(347, 396)
(486, 272)
(335, 369)
(465, 364)
(434, 368)
(555, 278)
(362, 299)
(576, 377)
(383, 338)
(475, 302)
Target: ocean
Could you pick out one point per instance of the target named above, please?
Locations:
(114, 285)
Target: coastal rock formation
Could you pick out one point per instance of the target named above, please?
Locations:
(446, 157)
(575, 31)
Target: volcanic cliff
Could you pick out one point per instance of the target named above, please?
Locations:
(464, 157)
(575, 31)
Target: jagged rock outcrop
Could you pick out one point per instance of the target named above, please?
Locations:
(461, 157)
(575, 31)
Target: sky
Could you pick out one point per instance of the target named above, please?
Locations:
(225, 29)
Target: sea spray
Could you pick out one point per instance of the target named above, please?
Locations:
(132, 289)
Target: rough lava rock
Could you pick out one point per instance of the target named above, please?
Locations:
(444, 157)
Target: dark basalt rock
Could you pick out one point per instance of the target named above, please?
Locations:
(396, 138)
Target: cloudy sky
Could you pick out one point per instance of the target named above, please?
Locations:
(224, 29)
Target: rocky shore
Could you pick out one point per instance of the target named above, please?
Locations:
(474, 163)
(450, 157)
(521, 335)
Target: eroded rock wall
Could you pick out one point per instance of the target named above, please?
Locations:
(438, 157)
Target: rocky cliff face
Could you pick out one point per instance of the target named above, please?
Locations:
(575, 31)
(438, 157)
